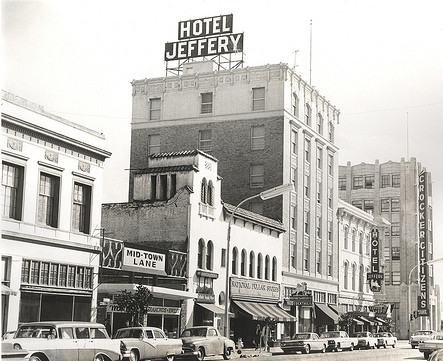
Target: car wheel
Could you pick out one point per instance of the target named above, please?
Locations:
(35, 358)
(99, 358)
(352, 347)
(385, 345)
(169, 358)
(227, 354)
(413, 346)
(323, 350)
(307, 349)
(426, 355)
(200, 354)
(338, 347)
(393, 345)
(134, 355)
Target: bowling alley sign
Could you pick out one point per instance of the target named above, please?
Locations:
(205, 37)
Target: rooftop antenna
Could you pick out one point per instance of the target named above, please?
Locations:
(407, 136)
(310, 55)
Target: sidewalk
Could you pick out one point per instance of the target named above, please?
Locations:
(250, 352)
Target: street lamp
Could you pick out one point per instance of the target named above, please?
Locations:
(267, 194)
(431, 261)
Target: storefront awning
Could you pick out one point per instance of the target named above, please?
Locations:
(357, 321)
(365, 320)
(261, 311)
(215, 309)
(335, 309)
(327, 311)
(8, 291)
(380, 320)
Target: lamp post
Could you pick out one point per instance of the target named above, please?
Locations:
(267, 194)
(431, 261)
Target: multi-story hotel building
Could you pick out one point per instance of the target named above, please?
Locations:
(52, 175)
(267, 127)
(390, 190)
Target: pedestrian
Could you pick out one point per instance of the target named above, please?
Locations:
(257, 337)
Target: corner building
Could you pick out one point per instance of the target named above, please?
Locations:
(267, 127)
(390, 190)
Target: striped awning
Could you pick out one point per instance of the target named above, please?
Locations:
(261, 311)
(378, 319)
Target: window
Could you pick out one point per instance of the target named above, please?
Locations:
(12, 190)
(395, 205)
(385, 180)
(293, 254)
(358, 182)
(354, 271)
(274, 268)
(307, 150)
(206, 103)
(81, 208)
(153, 144)
(319, 124)
(329, 264)
(318, 261)
(361, 278)
(234, 260)
(307, 215)
(243, 263)
(205, 140)
(258, 98)
(319, 187)
(353, 235)
(395, 253)
(44, 273)
(319, 158)
(71, 276)
(48, 200)
(330, 164)
(396, 180)
(308, 114)
(256, 207)
(318, 226)
(259, 265)
(360, 243)
(331, 131)
(294, 217)
(395, 229)
(330, 231)
(307, 184)
(346, 275)
(369, 205)
(251, 264)
(257, 137)
(257, 175)
(330, 197)
(369, 182)
(154, 108)
(79, 277)
(223, 257)
(294, 177)
(267, 267)
(294, 142)
(306, 258)
(204, 189)
(342, 183)
(385, 205)
(358, 203)
(295, 105)
(53, 275)
(346, 237)
(163, 187)
(209, 255)
(201, 249)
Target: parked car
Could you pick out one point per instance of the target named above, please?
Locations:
(385, 339)
(419, 336)
(339, 340)
(435, 342)
(9, 334)
(437, 355)
(366, 340)
(143, 343)
(304, 342)
(202, 341)
(11, 354)
(65, 341)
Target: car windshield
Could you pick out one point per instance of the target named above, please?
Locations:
(381, 335)
(421, 333)
(438, 336)
(36, 332)
(194, 332)
(331, 334)
(129, 333)
(301, 336)
(362, 334)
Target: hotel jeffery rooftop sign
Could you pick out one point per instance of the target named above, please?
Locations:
(204, 37)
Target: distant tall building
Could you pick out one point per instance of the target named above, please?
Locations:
(391, 190)
(267, 127)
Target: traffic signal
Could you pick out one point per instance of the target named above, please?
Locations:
(411, 317)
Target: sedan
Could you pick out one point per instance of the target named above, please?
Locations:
(147, 343)
(304, 342)
(65, 341)
(385, 339)
(420, 336)
(434, 343)
(202, 341)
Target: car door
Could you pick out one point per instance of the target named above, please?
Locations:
(216, 344)
(67, 344)
(162, 344)
(149, 345)
(84, 344)
(101, 342)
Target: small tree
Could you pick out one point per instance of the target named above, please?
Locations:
(136, 304)
(347, 319)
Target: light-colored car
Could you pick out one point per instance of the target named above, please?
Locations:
(435, 342)
(419, 336)
(339, 340)
(9, 334)
(366, 340)
(437, 355)
(385, 339)
(202, 341)
(304, 342)
(148, 343)
(65, 341)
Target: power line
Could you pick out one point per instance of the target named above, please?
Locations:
(388, 109)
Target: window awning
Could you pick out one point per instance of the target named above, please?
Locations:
(357, 321)
(327, 311)
(365, 320)
(8, 291)
(261, 311)
(215, 309)
(335, 309)
(380, 320)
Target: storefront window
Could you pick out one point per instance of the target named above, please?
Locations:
(29, 307)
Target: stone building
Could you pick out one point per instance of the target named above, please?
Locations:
(267, 127)
(52, 175)
(390, 190)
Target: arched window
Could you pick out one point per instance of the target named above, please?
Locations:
(251, 264)
(346, 275)
(267, 261)
(259, 265)
(346, 235)
(203, 191)
(209, 255)
(308, 114)
(201, 251)
(210, 195)
(360, 243)
(319, 124)
(353, 239)
(361, 278)
(274, 268)
(243, 263)
(354, 271)
(234, 260)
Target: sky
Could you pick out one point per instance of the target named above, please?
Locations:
(380, 62)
